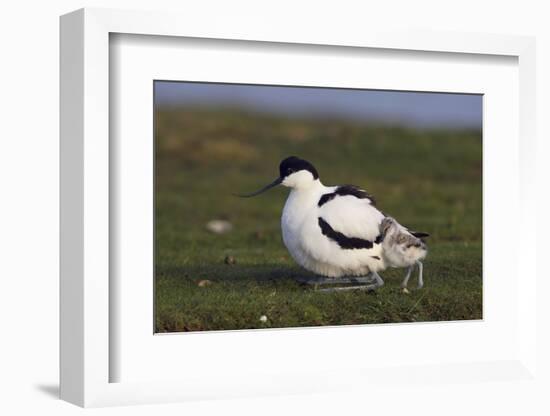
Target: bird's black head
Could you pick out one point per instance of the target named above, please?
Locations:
(294, 164)
(293, 173)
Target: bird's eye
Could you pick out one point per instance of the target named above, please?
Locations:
(289, 171)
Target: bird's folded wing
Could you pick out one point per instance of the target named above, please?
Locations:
(353, 217)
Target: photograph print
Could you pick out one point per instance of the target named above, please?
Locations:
(289, 206)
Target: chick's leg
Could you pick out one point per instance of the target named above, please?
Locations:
(407, 277)
(420, 278)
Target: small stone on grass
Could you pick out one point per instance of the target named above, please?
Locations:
(219, 226)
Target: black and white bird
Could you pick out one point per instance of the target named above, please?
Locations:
(337, 231)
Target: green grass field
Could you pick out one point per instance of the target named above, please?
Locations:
(429, 180)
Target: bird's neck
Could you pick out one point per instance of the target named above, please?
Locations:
(310, 187)
(299, 203)
(306, 193)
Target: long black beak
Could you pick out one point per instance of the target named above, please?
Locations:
(265, 188)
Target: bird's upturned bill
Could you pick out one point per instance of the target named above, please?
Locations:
(265, 188)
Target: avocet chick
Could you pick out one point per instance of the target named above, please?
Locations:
(403, 248)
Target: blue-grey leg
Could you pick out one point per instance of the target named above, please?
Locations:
(314, 281)
(407, 277)
(420, 278)
(378, 282)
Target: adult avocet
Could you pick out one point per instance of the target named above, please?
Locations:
(337, 231)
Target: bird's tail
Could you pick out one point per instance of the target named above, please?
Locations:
(419, 234)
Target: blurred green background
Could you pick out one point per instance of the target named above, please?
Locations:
(427, 176)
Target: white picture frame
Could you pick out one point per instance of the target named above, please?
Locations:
(86, 353)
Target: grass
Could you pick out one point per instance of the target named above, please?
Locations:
(429, 180)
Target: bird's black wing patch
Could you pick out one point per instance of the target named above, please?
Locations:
(345, 242)
(325, 198)
(346, 190)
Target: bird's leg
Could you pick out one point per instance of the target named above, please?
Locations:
(407, 277)
(420, 279)
(318, 281)
(379, 282)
